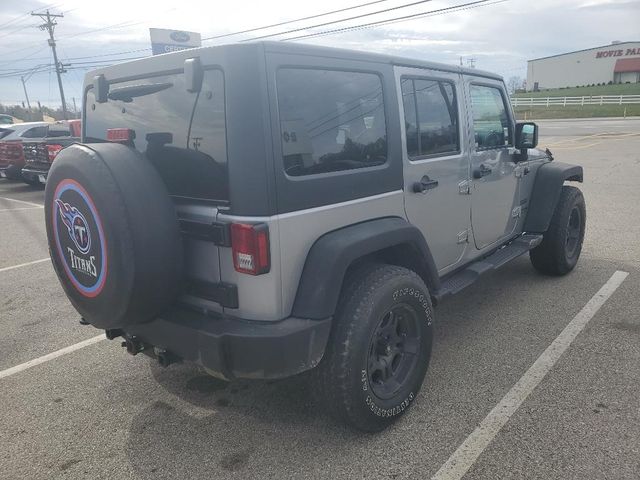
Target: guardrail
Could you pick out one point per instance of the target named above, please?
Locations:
(585, 100)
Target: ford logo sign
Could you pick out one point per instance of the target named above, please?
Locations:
(179, 36)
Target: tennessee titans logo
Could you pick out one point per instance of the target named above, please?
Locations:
(77, 226)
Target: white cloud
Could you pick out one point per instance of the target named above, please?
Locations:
(501, 37)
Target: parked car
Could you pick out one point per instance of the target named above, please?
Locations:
(270, 208)
(12, 158)
(11, 137)
(6, 119)
(39, 154)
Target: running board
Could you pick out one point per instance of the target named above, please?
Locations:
(462, 279)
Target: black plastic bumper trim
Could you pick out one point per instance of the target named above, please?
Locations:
(234, 348)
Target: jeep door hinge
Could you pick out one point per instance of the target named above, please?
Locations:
(216, 232)
(464, 187)
(516, 212)
(463, 237)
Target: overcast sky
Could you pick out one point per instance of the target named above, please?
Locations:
(501, 37)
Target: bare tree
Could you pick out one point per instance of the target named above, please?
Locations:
(515, 83)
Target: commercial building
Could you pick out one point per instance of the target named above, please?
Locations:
(615, 63)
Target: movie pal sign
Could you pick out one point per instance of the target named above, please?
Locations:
(79, 237)
(167, 41)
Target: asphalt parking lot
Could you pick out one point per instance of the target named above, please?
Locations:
(96, 412)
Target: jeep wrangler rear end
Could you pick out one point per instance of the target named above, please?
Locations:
(268, 208)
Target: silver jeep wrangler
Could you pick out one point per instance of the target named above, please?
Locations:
(270, 208)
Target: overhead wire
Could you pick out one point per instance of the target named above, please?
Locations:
(355, 17)
(295, 20)
(440, 11)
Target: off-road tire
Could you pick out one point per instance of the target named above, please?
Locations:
(562, 242)
(343, 378)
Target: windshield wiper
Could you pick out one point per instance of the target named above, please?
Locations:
(127, 94)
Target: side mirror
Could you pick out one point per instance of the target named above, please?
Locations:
(100, 88)
(193, 74)
(526, 135)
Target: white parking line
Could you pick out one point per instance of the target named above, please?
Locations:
(23, 265)
(58, 353)
(466, 455)
(22, 201)
(20, 208)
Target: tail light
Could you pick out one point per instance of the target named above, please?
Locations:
(53, 151)
(11, 151)
(250, 247)
(76, 128)
(120, 135)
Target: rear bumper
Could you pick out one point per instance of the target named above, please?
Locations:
(34, 171)
(235, 348)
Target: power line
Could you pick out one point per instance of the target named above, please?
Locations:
(128, 23)
(19, 29)
(440, 11)
(25, 15)
(339, 21)
(13, 20)
(294, 20)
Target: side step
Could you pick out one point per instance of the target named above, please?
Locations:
(462, 279)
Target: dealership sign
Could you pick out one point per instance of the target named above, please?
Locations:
(167, 41)
(618, 53)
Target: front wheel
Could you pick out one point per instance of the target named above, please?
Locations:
(562, 242)
(379, 348)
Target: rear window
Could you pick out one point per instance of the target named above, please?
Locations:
(35, 132)
(183, 134)
(58, 131)
(330, 120)
(4, 132)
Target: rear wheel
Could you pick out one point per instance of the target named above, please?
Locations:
(562, 242)
(379, 348)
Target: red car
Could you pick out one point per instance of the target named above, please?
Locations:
(11, 137)
(39, 155)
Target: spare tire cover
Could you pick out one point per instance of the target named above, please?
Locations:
(113, 234)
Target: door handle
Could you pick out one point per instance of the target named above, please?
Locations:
(482, 171)
(424, 185)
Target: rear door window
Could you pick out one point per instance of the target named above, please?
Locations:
(183, 134)
(330, 120)
(4, 132)
(431, 117)
(35, 132)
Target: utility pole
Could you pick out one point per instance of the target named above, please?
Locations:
(471, 62)
(24, 86)
(49, 26)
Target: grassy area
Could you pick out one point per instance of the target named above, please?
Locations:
(621, 89)
(576, 111)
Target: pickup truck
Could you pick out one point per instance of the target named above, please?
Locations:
(39, 155)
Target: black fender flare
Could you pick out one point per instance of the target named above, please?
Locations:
(332, 254)
(546, 191)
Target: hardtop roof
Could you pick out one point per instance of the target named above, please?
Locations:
(300, 49)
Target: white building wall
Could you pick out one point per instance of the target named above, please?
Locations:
(586, 67)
